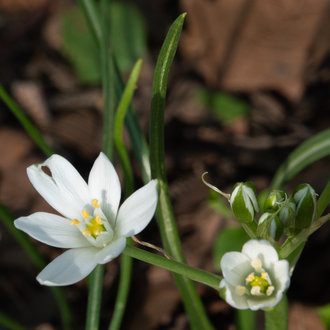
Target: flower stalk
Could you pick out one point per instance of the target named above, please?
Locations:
(177, 267)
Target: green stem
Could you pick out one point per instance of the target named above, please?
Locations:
(177, 267)
(164, 214)
(293, 243)
(277, 318)
(95, 279)
(94, 298)
(324, 200)
(126, 261)
(26, 123)
(123, 290)
(91, 13)
(119, 122)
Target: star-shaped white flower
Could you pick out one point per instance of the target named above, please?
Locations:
(92, 227)
(254, 278)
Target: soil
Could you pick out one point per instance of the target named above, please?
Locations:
(274, 57)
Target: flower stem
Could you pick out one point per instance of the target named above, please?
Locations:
(94, 298)
(277, 318)
(177, 267)
(123, 290)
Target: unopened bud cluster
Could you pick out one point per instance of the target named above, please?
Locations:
(282, 214)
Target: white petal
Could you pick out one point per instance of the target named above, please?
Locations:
(233, 299)
(65, 190)
(111, 251)
(104, 185)
(52, 229)
(260, 249)
(282, 274)
(137, 211)
(235, 267)
(256, 303)
(70, 267)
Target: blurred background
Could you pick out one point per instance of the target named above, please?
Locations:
(250, 82)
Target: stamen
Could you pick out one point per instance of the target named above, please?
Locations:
(95, 203)
(255, 290)
(98, 220)
(250, 278)
(75, 222)
(85, 214)
(240, 290)
(270, 290)
(256, 264)
(265, 276)
(86, 232)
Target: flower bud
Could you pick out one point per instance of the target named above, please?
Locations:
(274, 200)
(306, 206)
(288, 213)
(270, 225)
(243, 202)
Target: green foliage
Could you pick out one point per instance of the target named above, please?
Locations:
(307, 153)
(127, 35)
(230, 239)
(225, 107)
(324, 313)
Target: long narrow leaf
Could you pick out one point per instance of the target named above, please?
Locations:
(311, 150)
(25, 121)
(126, 261)
(164, 214)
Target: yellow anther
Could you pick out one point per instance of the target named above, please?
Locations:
(270, 290)
(256, 264)
(85, 214)
(98, 220)
(95, 203)
(255, 290)
(250, 278)
(86, 232)
(240, 290)
(75, 222)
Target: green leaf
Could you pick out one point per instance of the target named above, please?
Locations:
(308, 152)
(79, 46)
(165, 217)
(127, 34)
(230, 239)
(225, 107)
(324, 313)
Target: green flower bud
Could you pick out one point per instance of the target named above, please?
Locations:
(243, 202)
(287, 214)
(274, 200)
(306, 206)
(270, 225)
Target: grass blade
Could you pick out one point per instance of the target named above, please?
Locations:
(26, 123)
(308, 152)
(164, 214)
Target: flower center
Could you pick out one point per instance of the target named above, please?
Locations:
(93, 225)
(257, 283)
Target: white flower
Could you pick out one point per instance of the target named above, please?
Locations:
(254, 278)
(92, 227)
